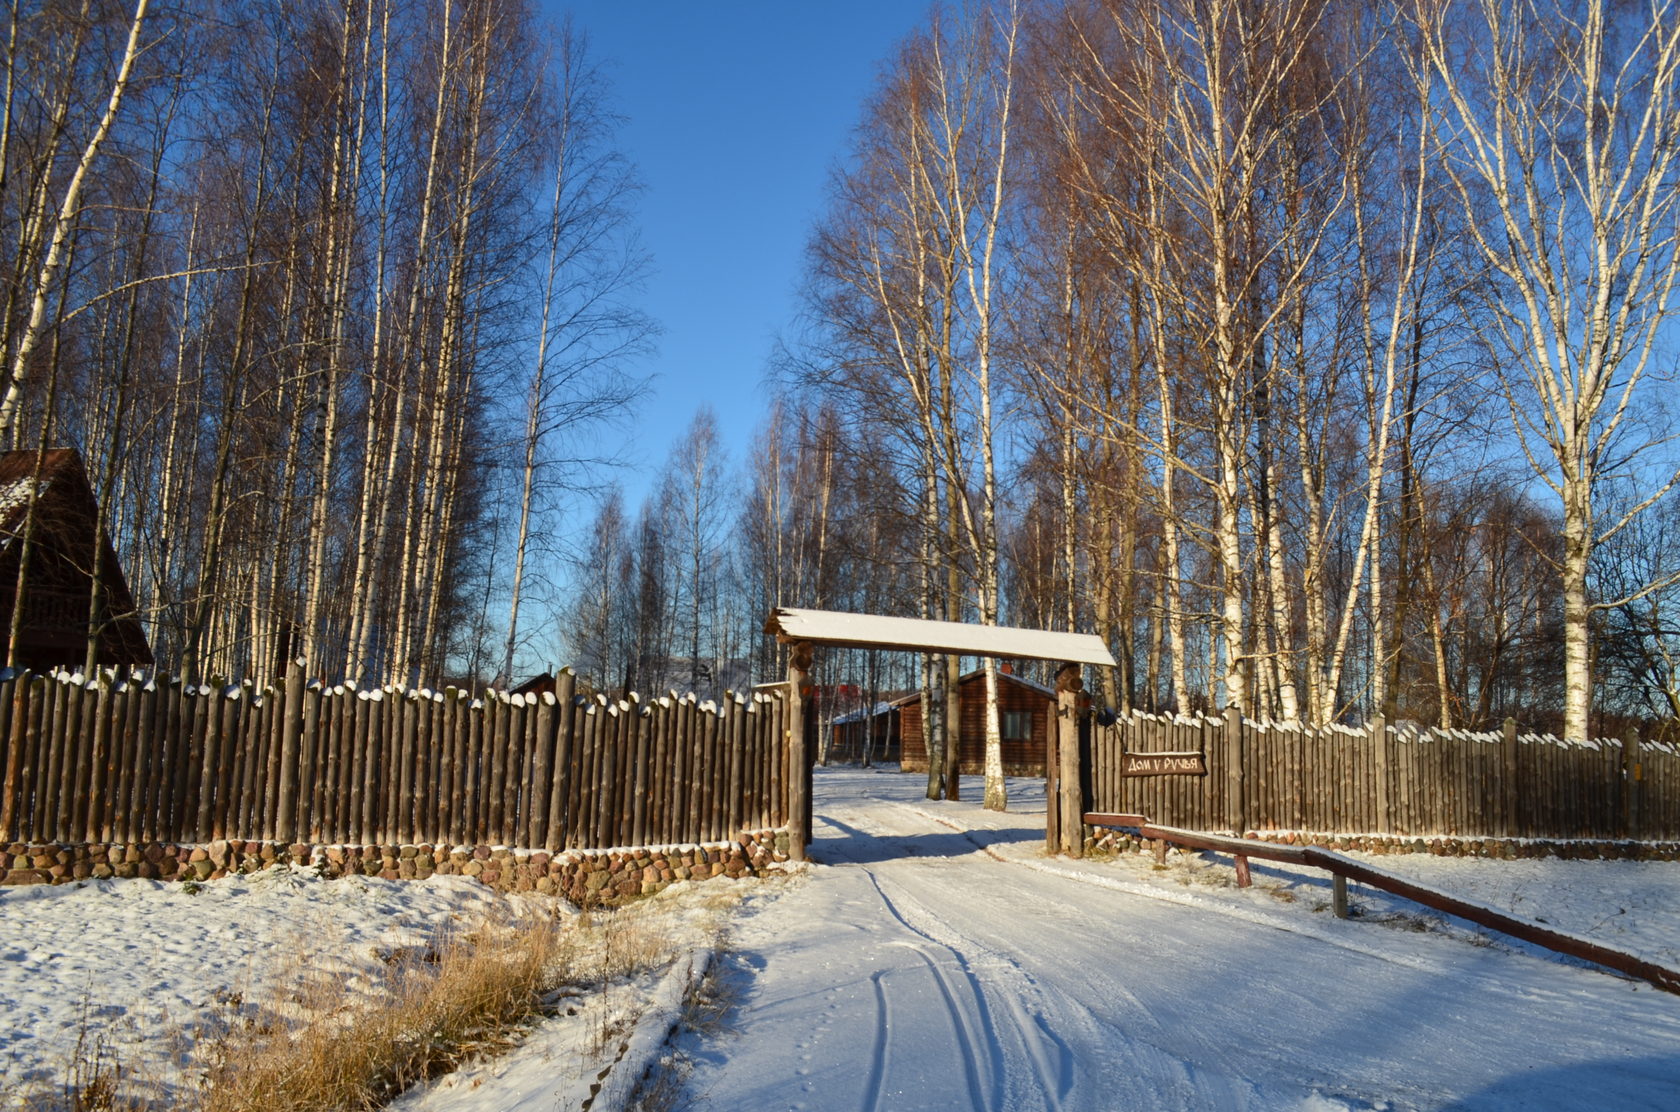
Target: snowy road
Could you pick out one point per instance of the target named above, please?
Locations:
(937, 960)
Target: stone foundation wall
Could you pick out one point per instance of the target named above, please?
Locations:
(583, 876)
(1106, 839)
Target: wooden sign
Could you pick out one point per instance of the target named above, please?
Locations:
(1164, 764)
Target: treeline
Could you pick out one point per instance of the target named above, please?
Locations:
(333, 297)
(1313, 354)
(673, 594)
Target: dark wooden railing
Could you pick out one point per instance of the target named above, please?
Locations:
(1343, 869)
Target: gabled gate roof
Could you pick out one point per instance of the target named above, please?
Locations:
(873, 631)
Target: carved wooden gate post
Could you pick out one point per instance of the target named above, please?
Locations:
(799, 761)
(1070, 802)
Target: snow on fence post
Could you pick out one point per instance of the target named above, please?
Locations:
(1236, 811)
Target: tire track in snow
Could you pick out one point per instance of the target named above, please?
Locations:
(1379, 948)
(874, 1087)
(1158, 1070)
(966, 1042)
(1047, 1055)
(1052, 1071)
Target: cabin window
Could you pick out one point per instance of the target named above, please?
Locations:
(1016, 725)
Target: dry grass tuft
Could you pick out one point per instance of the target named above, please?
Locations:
(475, 993)
(320, 1040)
(468, 993)
(93, 1078)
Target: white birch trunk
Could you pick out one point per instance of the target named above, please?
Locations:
(64, 224)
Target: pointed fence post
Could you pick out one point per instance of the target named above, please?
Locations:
(799, 763)
(1380, 749)
(1511, 797)
(1632, 772)
(1070, 799)
(1235, 810)
(291, 729)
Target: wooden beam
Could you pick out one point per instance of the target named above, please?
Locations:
(1104, 818)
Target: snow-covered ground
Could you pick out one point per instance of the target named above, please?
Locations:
(147, 967)
(938, 960)
(151, 976)
(935, 958)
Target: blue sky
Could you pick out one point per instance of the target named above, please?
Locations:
(736, 110)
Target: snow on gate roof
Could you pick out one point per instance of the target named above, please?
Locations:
(872, 631)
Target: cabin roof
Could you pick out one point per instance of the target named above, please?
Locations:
(875, 631)
(58, 467)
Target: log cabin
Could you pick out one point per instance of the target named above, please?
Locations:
(1026, 714)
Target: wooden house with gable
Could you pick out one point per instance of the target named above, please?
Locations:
(57, 529)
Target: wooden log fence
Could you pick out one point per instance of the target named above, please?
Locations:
(1383, 779)
(126, 758)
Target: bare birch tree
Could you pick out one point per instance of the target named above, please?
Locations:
(587, 330)
(1559, 126)
(53, 225)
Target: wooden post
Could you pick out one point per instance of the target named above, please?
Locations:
(1338, 895)
(1236, 814)
(952, 720)
(17, 690)
(562, 773)
(1511, 797)
(1052, 786)
(1244, 879)
(1632, 774)
(309, 767)
(1379, 743)
(799, 682)
(291, 729)
(1069, 798)
(541, 782)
